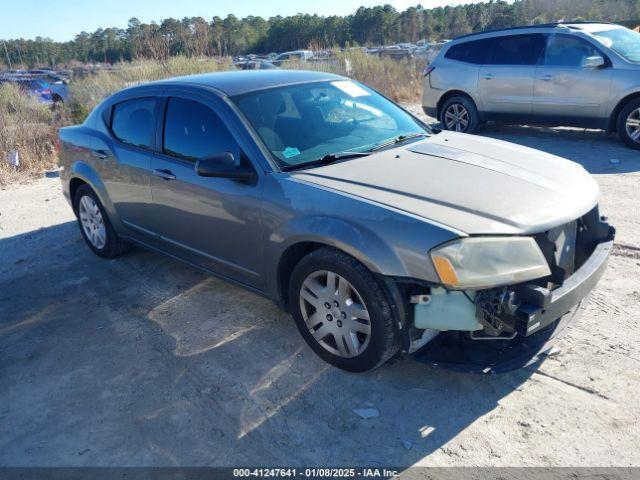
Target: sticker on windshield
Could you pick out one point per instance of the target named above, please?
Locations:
(290, 152)
(350, 88)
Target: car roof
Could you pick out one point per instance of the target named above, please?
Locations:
(569, 26)
(244, 81)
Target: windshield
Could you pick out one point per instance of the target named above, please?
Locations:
(622, 41)
(303, 123)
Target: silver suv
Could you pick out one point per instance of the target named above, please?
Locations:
(570, 74)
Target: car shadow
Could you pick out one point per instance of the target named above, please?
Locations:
(145, 361)
(598, 152)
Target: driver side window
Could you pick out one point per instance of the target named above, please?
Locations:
(567, 51)
(193, 131)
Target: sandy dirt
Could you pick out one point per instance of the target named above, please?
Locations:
(145, 361)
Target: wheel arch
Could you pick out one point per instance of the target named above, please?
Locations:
(83, 173)
(613, 119)
(451, 94)
(302, 235)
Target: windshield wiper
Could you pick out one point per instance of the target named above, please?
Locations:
(326, 160)
(398, 139)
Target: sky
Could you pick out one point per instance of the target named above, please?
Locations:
(62, 20)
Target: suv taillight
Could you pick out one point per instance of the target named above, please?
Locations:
(427, 70)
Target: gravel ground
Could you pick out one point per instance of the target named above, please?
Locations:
(145, 361)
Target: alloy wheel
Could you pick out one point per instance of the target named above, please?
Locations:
(335, 314)
(633, 125)
(92, 222)
(456, 117)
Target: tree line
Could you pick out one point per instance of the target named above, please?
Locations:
(380, 25)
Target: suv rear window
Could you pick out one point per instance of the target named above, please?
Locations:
(517, 49)
(133, 121)
(475, 52)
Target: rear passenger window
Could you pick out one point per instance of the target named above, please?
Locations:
(568, 51)
(475, 52)
(193, 131)
(517, 49)
(133, 121)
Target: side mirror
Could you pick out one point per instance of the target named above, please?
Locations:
(223, 165)
(593, 62)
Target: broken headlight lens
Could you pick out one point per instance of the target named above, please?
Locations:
(477, 263)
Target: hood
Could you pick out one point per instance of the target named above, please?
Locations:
(472, 184)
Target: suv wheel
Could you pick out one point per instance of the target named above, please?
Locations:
(629, 124)
(459, 114)
(95, 226)
(341, 311)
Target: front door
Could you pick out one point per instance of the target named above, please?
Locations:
(566, 91)
(213, 222)
(505, 82)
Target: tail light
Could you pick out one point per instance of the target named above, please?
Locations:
(427, 70)
(46, 91)
(57, 144)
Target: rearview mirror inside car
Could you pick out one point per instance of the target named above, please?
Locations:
(223, 165)
(593, 62)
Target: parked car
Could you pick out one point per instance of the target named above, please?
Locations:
(376, 233)
(253, 65)
(574, 74)
(38, 89)
(298, 55)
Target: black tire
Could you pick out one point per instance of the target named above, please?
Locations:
(463, 104)
(383, 340)
(631, 109)
(113, 244)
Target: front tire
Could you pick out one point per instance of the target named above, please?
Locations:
(628, 124)
(95, 226)
(342, 311)
(459, 114)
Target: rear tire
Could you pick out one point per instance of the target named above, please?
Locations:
(459, 114)
(348, 324)
(95, 227)
(628, 124)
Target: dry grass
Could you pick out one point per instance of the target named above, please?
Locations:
(31, 128)
(399, 80)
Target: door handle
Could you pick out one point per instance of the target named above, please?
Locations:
(546, 78)
(101, 154)
(164, 174)
(488, 76)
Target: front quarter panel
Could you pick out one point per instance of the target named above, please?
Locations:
(387, 241)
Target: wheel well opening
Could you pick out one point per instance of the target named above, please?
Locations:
(288, 262)
(613, 120)
(448, 95)
(74, 184)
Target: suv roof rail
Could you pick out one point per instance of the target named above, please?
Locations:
(566, 24)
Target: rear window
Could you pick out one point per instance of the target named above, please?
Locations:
(133, 121)
(475, 52)
(517, 49)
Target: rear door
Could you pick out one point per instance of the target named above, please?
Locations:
(505, 83)
(212, 222)
(124, 165)
(567, 92)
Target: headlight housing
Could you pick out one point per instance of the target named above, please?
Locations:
(476, 263)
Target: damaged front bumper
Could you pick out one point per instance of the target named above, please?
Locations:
(531, 319)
